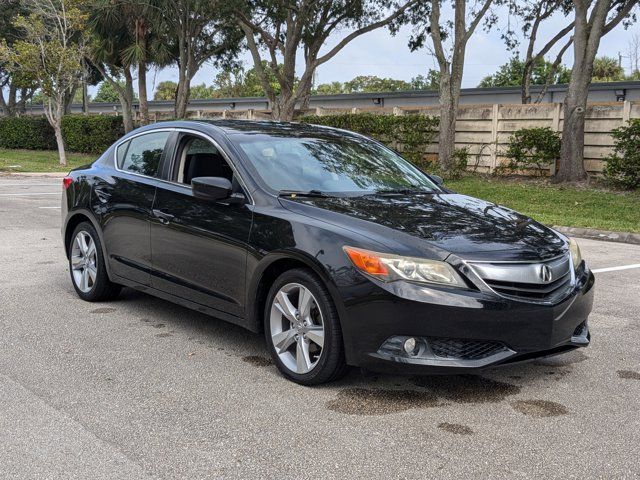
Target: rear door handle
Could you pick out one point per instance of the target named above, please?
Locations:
(164, 218)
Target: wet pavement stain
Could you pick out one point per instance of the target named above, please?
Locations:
(103, 310)
(467, 388)
(539, 408)
(159, 325)
(628, 374)
(163, 335)
(257, 361)
(361, 401)
(563, 360)
(455, 428)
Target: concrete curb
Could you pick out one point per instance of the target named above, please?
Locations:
(604, 235)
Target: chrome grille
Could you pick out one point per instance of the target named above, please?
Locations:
(542, 281)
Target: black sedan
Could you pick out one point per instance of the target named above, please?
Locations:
(335, 247)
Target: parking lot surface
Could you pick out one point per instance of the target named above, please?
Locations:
(142, 388)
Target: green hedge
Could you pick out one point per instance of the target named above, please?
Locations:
(81, 133)
(30, 133)
(408, 134)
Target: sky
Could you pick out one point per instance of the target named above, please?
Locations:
(381, 54)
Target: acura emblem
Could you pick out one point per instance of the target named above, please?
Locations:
(546, 275)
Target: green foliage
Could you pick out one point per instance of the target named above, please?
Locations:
(607, 69)
(81, 133)
(510, 74)
(409, 134)
(238, 82)
(166, 91)
(108, 94)
(532, 149)
(30, 133)
(429, 82)
(623, 166)
(460, 161)
(371, 83)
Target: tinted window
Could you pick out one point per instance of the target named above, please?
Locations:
(122, 151)
(334, 163)
(143, 154)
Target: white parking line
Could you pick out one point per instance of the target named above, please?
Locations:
(28, 194)
(614, 269)
(29, 184)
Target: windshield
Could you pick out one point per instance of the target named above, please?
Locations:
(330, 163)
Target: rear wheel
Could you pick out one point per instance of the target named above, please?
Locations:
(303, 330)
(87, 267)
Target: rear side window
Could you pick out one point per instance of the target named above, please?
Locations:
(143, 153)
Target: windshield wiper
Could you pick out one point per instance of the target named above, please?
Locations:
(302, 193)
(401, 191)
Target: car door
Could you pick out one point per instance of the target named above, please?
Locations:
(123, 202)
(199, 247)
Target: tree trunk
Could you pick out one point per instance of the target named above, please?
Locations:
(284, 109)
(448, 99)
(54, 111)
(571, 165)
(142, 93)
(182, 97)
(62, 154)
(127, 107)
(446, 140)
(85, 97)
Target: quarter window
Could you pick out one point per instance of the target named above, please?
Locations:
(143, 153)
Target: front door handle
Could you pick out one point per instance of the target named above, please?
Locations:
(164, 218)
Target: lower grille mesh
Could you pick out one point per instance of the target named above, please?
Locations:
(579, 331)
(464, 349)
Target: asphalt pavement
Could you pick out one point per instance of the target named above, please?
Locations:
(142, 388)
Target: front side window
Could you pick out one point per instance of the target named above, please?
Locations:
(200, 158)
(331, 163)
(143, 153)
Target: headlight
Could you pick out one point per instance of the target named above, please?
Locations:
(576, 256)
(390, 268)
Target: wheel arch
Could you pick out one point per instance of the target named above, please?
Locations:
(74, 219)
(270, 268)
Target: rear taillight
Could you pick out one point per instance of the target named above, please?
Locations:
(66, 182)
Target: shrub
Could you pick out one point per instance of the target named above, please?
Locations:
(82, 133)
(532, 149)
(460, 159)
(91, 133)
(623, 166)
(408, 134)
(30, 133)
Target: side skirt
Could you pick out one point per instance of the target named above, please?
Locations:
(227, 317)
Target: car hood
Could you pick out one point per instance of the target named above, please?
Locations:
(447, 222)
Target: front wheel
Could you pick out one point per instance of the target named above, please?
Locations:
(302, 329)
(87, 267)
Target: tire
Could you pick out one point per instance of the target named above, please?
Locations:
(291, 331)
(88, 258)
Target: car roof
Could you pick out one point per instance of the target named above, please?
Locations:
(268, 127)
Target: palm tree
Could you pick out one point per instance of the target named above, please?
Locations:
(132, 29)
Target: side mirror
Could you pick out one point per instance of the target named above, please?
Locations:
(211, 188)
(437, 179)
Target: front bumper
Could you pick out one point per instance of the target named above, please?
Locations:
(495, 330)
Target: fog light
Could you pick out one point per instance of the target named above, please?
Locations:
(411, 346)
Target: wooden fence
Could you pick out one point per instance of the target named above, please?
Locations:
(485, 129)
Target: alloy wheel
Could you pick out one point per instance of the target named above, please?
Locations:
(84, 262)
(297, 328)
